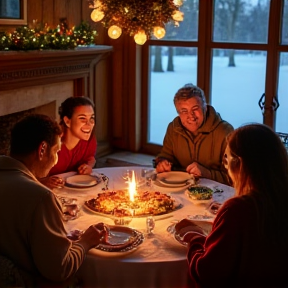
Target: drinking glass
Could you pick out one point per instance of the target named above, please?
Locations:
(150, 225)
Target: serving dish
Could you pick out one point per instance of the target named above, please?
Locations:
(146, 203)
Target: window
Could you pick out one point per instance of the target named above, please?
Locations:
(230, 49)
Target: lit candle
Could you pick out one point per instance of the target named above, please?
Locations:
(132, 187)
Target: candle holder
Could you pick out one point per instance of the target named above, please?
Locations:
(122, 216)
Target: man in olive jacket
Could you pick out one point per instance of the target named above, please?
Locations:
(196, 139)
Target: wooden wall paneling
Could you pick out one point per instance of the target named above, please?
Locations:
(85, 11)
(34, 11)
(47, 13)
(118, 97)
(74, 12)
(60, 11)
(103, 107)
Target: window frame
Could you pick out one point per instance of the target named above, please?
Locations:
(205, 46)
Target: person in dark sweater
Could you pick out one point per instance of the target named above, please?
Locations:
(247, 246)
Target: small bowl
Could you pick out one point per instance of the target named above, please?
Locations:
(198, 194)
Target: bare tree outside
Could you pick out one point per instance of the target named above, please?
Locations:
(158, 60)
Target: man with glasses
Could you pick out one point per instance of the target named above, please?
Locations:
(195, 140)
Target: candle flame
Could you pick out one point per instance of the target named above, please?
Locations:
(132, 187)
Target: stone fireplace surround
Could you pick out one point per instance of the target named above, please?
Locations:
(38, 81)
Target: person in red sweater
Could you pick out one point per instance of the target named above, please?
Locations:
(78, 142)
(247, 246)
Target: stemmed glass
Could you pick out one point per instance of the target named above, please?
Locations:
(150, 225)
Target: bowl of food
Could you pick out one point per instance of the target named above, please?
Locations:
(199, 194)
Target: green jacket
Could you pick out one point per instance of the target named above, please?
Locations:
(207, 148)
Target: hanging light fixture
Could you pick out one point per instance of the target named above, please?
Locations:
(140, 37)
(97, 15)
(159, 32)
(114, 32)
(139, 19)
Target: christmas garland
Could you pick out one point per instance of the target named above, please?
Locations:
(42, 37)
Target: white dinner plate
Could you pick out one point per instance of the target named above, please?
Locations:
(206, 226)
(121, 240)
(81, 181)
(174, 178)
(171, 189)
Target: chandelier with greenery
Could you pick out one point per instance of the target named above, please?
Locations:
(137, 18)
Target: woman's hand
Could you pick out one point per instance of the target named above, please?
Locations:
(164, 166)
(53, 182)
(84, 169)
(188, 229)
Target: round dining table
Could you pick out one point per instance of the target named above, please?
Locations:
(160, 260)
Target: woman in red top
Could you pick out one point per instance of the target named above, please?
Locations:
(79, 144)
(247, 246)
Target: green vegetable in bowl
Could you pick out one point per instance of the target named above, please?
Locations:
(200, 192)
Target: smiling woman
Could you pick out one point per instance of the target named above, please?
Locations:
(78, 147)
(13, 12)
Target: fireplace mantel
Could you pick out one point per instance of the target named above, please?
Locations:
(29, 79)
(19, 69)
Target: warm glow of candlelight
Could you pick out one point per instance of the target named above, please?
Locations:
(132, 186)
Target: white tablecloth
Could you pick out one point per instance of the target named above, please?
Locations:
(160, 261)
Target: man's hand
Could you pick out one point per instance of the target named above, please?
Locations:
(164, 166)
(198, 170)
(53, 182)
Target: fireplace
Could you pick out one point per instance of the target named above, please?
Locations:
(39, 81)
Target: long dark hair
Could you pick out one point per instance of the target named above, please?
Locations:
(262, 174)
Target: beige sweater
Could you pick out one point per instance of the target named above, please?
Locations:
(32, 232)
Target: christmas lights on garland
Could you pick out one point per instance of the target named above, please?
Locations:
(42, 37)
(137, 18)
